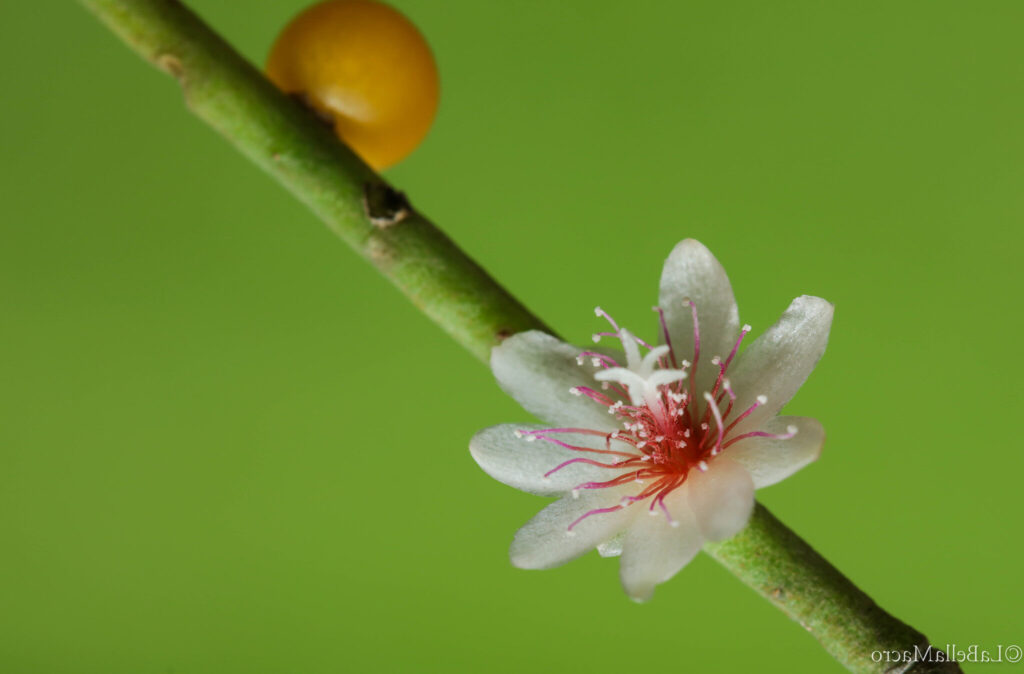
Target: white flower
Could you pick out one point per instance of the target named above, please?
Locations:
(684, 432)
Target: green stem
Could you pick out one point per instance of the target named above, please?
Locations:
(769, 557)
(290, 143)
(287, 141)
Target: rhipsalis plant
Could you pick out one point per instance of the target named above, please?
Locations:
(699, 432)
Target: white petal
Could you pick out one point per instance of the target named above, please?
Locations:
(522, 463)
(545, 541)
(692, 272)
(770, 460)
(654, 550)
(538, 371)
(778, 363)
(722, 498)
(612, 547)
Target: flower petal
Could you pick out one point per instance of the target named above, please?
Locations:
(538, 370)
(778, 362)
(521, 463)
(721, 498)
(770, 460)
(654, 549)
(545, 541)
(613, 546)
(692, 272)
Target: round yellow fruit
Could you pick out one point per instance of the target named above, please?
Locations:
(367, 68)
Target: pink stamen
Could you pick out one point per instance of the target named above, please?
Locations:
(667, 337)
(577, 431)
(667, 434)
(600, 313)
(594, 395)
(597, 511)
(645, 494)
(718, 422)
(715, 388)
(660, 500)
(757, 403)
(696, 348)
(606, 361)
(642, 342)
(736, 347)
(580, 459)
(631, 476)
(576, 448)
(598, 335)
(760, 434)
(727, 390)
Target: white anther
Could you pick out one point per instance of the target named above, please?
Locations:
(530, 438)
(596, 338)
(762, 399)
(746, 327)
(605, 386)
(703, 465)
(570, 533)
(674, 524)
(659, 438)
(596, 362)
(517, 433)
(575, 390)
(598, 311)
(652, 512)
(792, 430)
(717, 360)
(575, 493)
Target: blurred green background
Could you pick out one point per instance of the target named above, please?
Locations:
(227, 445)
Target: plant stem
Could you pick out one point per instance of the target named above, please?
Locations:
(769, 557)
(290, 143)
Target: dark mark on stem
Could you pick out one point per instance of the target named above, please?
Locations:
(384, 205)
(171, 64)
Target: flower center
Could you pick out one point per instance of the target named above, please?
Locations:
(668, 427)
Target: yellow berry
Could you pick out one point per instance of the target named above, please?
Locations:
(367, 68)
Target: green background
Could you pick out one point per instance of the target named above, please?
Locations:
(227, 445)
